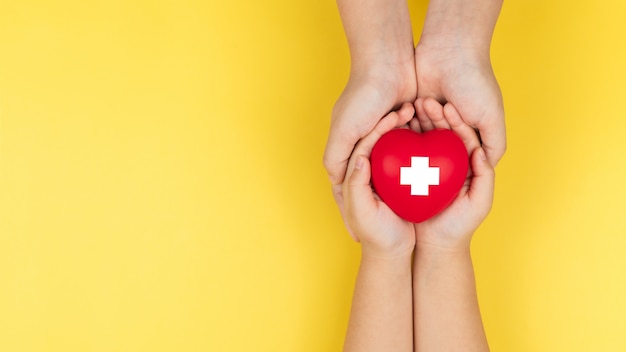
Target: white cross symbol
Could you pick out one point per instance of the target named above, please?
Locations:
(419, 176)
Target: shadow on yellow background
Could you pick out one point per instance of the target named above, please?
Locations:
(161, 186)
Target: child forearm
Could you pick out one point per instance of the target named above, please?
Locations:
(381, 318)
(447, 316)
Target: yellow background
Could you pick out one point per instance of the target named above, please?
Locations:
(162, 189)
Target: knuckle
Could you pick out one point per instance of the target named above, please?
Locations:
(328, 165)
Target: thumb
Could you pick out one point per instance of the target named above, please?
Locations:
(482, 184)
(361, 173)
(358, 194)
(339, 146)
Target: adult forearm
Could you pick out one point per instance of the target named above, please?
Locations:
(378, 32)
(461, 23)
(381, 318)
(447, 316)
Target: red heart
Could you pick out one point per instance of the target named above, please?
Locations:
(419, 175)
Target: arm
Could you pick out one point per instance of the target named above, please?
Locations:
(378, 32)
(381, 318)
(453, 65)
(447, 316)
(382, 77)
(468, 23)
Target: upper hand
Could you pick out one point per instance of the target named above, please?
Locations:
(464, 77)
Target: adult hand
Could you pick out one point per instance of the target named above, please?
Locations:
(453, 65)
(466, 80)
(359, 108)
(382, 78)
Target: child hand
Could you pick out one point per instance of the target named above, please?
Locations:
(381, 232)
(453, 228)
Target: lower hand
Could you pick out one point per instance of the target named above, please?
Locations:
(452, 229)
(382, 233)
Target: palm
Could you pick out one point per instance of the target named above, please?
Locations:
(467, 81)
(364, 101)
(447, 228)
(386, 229)
(450, 227)
(370, 220)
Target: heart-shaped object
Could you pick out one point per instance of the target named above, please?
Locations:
(419, 174)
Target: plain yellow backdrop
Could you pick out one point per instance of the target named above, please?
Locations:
(161, 186)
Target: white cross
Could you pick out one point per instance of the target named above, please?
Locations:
(419, 176)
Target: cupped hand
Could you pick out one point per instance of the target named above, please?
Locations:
(464, 77)
(453, 228)
(382, 233)
(368, 97)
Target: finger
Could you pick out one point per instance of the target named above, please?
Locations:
(338, 195)
(423, 118)
(464, 131)
(434, 110)
(494, 139)
(482, 184)
(359, 196)
(353, 116)
(365, 145)
(385, 125)
(341, 141)
(363, 150)
(405, 114)
(414, 125)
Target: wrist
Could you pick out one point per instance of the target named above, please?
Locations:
(461, 24)
(446, 252)
(444, 246)
(396, 254)
(388, 55)
(458, 36)
(379, 33)
(398, 83)
(399, 68)
(390, 258)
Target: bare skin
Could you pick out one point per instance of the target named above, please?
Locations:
(434, 306)
(450, 63)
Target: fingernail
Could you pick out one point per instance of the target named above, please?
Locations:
(481, 154)
(359, 163)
